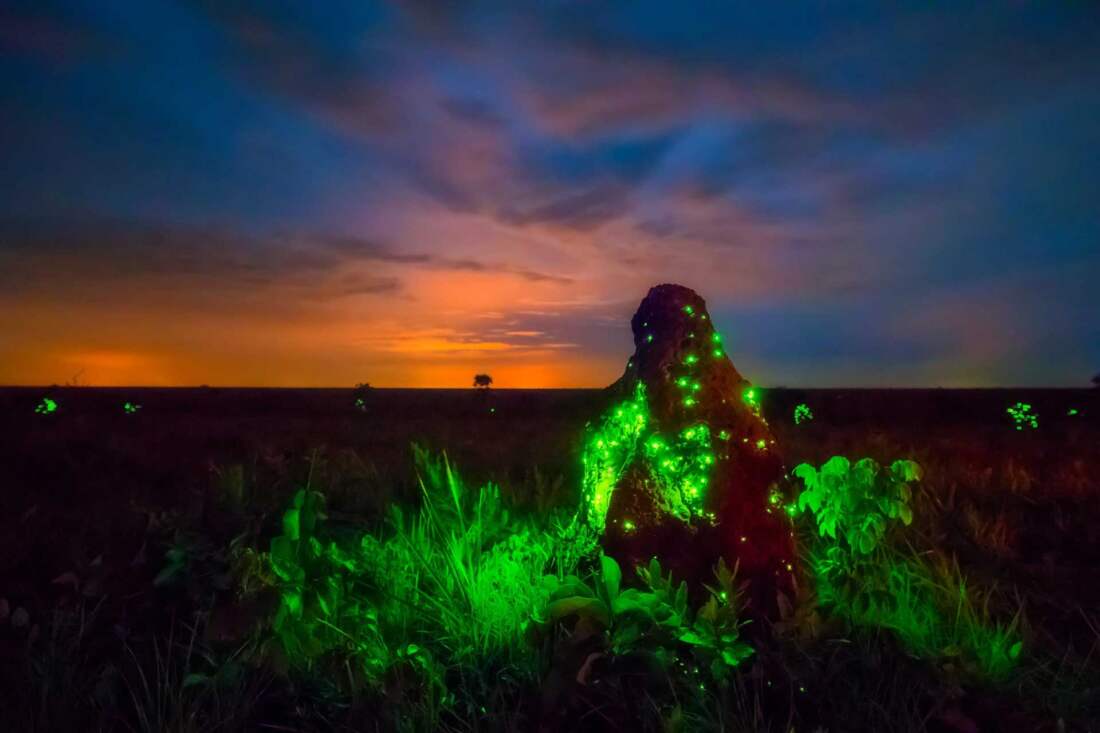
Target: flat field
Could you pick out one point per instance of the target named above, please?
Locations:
(94, 499)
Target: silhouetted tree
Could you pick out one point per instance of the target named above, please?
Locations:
(361, 394)
(1096, 380)
(482, 381)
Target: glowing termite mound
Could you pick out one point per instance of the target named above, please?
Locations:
(683, 466)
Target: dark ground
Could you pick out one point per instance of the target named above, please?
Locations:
(86, 487)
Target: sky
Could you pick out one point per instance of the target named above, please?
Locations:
(283, 193)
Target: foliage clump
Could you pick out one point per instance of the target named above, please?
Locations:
(867, 575)
(656, 619)
(46, 407)
(1023, 416)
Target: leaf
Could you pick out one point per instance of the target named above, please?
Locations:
(734, 655)
(591, 608)
(690, 637)
(906, 470)
(194, 680)
(612, 576)
(167, 575)
(291, 526)
(633, 600)
(906, 514)
(836, 466)
(807, 473)
(283, 560)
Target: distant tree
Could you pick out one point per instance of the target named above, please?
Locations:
(361, 395)
(482, 381)
(1096, 380)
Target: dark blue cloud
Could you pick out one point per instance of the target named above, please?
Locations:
(884, 184)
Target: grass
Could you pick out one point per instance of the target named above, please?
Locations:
(453, 571)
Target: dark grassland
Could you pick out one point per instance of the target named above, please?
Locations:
(93, 498)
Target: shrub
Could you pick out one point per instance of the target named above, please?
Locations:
(873, 579)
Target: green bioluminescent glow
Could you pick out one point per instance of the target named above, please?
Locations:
(751, 396)
(46, 407)
(689, 310)
(360, 404)
(680, 467)
(608, 452)
(868, 581)
(1072, 411)
(1023, 416)
(691, 359)
(649, 338)
(802, 413)
(130, 408)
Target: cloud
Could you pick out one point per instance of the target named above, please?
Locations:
(142, 257)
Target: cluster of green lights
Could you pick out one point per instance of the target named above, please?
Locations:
(1023, 416)
(802, 414)
(360, 404)
(608, 452)
(716, 339)
(751, 396)
(1073, 411)
(680, 467)
(130, 408)
(46, 407)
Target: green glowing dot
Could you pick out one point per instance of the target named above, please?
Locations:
(682, 382)
(1073, 411)
(761, 444)
(628, 525)
(724, 434)
(130, 408)
(717, 352)
(689, 310)
(689, 401)
(691, 359)
(492, 409)
(649, 338)
(695, 387)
